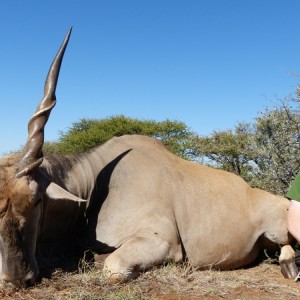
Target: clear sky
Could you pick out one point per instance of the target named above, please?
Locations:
(209, 63)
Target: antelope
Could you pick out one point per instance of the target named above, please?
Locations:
(133, 198)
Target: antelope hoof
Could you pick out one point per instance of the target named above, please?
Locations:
(289, 269)
(287, 262)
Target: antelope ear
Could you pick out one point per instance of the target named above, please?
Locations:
(55, 192)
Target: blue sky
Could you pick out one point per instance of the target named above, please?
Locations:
(208, 63)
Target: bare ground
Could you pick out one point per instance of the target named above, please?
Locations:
(171, 282)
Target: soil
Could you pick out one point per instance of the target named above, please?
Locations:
(170, 282)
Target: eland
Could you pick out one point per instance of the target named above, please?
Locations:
(134, 198)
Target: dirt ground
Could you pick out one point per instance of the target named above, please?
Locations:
(170, 282)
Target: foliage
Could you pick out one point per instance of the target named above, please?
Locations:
(266, 153)
(278, 137)
(89, 133)
(231, 150)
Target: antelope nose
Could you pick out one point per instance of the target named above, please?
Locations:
(19, 282)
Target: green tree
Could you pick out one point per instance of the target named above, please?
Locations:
(231, 150)
(278, 137)
(89, 133)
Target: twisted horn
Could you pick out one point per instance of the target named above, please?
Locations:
(32, 154)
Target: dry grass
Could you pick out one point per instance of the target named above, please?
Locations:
(177, 282)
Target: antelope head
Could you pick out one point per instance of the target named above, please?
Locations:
(22, 185)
